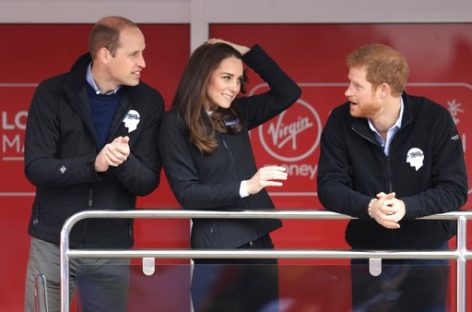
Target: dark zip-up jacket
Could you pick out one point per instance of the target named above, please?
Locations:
(211, 182)
(353, 169)
(60, 151)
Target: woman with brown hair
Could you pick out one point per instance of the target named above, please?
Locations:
(207, 155)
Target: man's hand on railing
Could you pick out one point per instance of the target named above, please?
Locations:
(387, 210)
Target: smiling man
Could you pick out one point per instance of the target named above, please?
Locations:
(388, 158)
(91, 144)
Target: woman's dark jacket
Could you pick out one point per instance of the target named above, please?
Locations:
(211, 181)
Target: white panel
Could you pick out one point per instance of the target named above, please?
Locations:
(338, 11)
(200, 13)
(88, 11)
(237, 11)
(198, 23)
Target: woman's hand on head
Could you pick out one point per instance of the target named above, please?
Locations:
(240, 48)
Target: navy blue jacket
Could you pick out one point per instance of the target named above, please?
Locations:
(353, 169)
(211, 182)
(60, 151)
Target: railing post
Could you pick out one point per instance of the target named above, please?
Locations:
(65, 267)
(461, 263)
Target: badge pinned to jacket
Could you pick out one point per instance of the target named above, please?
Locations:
(131, 120)
(415, 158)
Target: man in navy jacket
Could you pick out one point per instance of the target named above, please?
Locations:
(91, 143)
(388, 158)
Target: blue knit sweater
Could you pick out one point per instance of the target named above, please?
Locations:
(103, 108)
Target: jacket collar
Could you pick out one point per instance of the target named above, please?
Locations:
(408, 110)
(361, 125)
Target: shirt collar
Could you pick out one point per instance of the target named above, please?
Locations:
(91, 82)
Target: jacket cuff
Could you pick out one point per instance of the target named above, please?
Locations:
(411, 208)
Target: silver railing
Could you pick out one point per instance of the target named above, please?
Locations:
(460, 254)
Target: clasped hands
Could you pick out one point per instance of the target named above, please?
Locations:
(387, 210)
(113, 154)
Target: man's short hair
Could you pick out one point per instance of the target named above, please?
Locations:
(383, 64)
(106, 34)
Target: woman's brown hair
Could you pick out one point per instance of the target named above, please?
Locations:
(190, 97)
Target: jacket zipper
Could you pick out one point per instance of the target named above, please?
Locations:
(389, 171)
(236, 177)
(233, 164)
(390, 190)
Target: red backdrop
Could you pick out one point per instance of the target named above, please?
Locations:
(313, 54)
(29, 54)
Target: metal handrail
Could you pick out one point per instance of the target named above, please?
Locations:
(461, 254)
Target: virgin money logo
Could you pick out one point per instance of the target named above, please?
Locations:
(294, 134)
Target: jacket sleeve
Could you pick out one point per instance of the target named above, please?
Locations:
(449, 176)
(334, 174)
(140, 173)
(283, 92)
(43, 167)
(182, 172)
